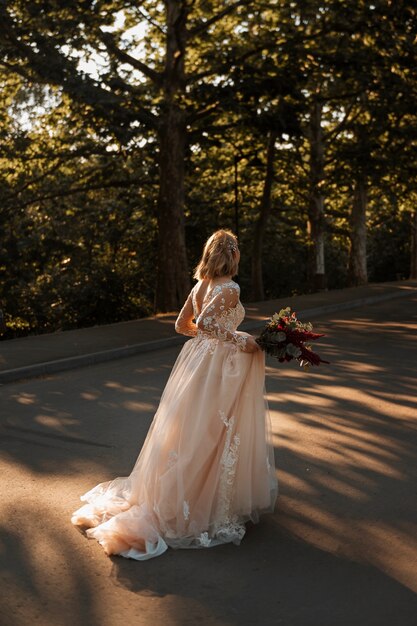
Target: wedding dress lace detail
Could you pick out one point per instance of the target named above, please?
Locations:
(221, 314)
(227, 526)
(204, 540)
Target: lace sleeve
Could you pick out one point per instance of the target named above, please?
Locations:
(184, 324)
(210, 319)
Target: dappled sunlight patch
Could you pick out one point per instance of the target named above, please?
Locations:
(310, 521)
(360, 447)
(362, 367)
(345, 448)
(335, 488)
(140, 389)
(152, 369)
(344, 452)
(131, 405)
(399, 397)
(365, 400)
(398, 562)
(338, 485)
(307, 398)
(354, 399)
(276, 437)
(349, 322)
(297, 483)
(26, 479)
(374, 465)
(90, 395)
(388, 326)
(318, 376)
(364, 539)
(25, 398)
(88, 472)
(53, 421)
(112, 384)
(304, 376)
(287, 370)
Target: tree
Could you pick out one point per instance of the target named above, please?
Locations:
(127, 126)
(45, 40)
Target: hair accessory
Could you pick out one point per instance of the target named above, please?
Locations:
(232, 245)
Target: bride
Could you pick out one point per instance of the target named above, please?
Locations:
(207, 464)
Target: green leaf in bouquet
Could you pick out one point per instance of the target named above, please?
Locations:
(277, 337)
(293, 350)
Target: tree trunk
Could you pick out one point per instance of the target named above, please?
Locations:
(413, 259)
(260, 227)
(358, 274)
(172, 278)
(173, 282)
(316, 220)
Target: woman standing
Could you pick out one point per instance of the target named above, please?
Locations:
(207, 465)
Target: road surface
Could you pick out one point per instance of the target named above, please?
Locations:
(340, 550)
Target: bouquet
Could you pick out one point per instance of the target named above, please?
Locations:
(285, 337)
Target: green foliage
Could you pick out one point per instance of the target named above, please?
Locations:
(85, 90)
(389, 244)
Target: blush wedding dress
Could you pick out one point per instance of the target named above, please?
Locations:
(207, 464)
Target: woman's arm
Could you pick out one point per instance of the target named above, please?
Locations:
(209, 320)
(184, 324)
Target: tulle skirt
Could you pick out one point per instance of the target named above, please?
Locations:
(206, 466)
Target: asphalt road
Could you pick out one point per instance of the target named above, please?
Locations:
(341, 548)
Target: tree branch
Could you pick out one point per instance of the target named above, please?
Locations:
(124, 57)
(225, 67)
(202, 113)
(35, 180)
(15, 69)
(151, 22)
(333, 134)
(55, 68)
(70, 192)
(212, 20)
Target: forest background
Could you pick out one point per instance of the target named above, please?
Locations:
(129, 131)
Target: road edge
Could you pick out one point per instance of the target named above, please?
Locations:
(93, 358)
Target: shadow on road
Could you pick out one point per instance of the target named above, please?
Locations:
(347, 442)
(41, 580)
(272, 578)
(85, 415)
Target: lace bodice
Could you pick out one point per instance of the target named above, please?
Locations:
(220, 315)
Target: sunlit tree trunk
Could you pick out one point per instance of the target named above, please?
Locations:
(358, 273)
(260, 227)
(316, 219)
(172, 273)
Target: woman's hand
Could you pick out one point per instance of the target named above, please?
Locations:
(251, 345)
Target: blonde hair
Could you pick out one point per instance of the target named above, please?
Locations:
(220, 256)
